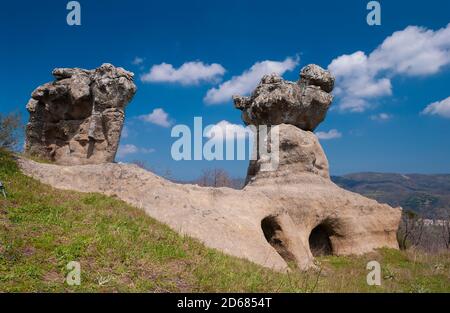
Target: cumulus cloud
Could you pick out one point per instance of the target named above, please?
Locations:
(414, 51)
(137, 61)
(190, 73)
(331, 134)
(225, 130)
(381, 117)
(356, 81)
(441, 108)
(247, 81)
(128, 149)
(125, 132)
(157, 117)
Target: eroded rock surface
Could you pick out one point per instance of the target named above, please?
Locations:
(269, 224)
(287, 215)
(78, 118)
(276, 101)
(299, 151)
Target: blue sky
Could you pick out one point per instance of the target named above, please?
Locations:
(387, 75)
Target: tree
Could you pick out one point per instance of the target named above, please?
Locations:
(167, 174)
(215, 178)
(445, 228)
(411, 230)
(10, 127)
(221, 178)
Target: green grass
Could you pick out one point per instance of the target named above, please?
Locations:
(122, 249)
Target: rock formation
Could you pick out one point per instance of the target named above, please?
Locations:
(276, 101)
(289, 215)
(78, 118)
(313, 221)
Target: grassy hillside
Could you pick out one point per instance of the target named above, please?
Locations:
(428, 195)
(122, 249)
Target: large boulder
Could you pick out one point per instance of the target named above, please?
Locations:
(78, 118)
(276, 101)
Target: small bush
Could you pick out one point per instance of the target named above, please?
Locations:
(10, 128)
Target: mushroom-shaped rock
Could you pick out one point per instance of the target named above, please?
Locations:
(276, 101)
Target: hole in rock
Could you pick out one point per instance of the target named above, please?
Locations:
(319, 240)
(275, 236)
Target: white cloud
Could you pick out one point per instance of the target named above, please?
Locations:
(381, 117)
(356, 81)
(158, 117)
(414, 51)
(225, 130)
(125, 132)
(190, 73)
(441, 108)
(331, 134)
(247, 81)
(128, 149)
(137, 61)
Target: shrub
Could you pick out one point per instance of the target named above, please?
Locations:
(10, 128)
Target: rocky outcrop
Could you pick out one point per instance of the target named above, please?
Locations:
(311, 221)
(285, 216)
(276, 101)
(78, 118)
(299, 152)
(271, 224)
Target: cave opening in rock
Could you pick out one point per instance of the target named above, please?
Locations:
(319, 240)
(275, 236)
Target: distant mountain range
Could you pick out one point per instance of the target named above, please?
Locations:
(428, 195)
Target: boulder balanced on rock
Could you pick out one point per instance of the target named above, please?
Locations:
(78, 118)
(317, 217)
(275, 101)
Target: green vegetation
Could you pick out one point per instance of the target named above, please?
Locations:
(122, 249)
(420, 202)
(10, 129)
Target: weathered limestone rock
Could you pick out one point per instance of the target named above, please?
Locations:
(299, 152)
(78, 118)
(266, 223)
(316, 222)
(276, 101)
(314, 216)
(290, 214)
